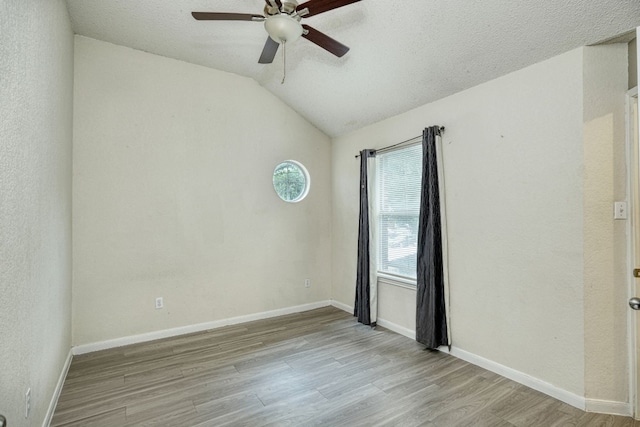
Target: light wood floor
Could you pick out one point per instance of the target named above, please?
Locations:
(315, 368)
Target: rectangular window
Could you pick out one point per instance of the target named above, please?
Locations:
(399, 176)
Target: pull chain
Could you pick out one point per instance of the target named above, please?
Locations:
(284, 61)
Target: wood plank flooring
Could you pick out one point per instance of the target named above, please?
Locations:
(315, 368)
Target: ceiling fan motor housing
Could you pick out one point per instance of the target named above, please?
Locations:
(288, 7)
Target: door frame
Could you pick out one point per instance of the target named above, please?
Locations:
(633, 201)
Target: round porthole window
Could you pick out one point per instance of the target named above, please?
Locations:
(291, 181)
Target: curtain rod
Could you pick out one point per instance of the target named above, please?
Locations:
(440, 128)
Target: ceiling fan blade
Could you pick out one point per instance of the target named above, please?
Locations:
(324, 41)
(214, 16)
(269, 51)
(316, 7)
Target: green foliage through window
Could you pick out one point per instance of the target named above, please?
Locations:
(399, 176)
(290, 181)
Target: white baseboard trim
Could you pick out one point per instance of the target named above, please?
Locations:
(397, 328)
(520, 377)
(341, 306)
(609, 407)
(166, 333)
(591, 405)
(572, 399)
(381, 322)
(57, 390)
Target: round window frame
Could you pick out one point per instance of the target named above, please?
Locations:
(307, 181)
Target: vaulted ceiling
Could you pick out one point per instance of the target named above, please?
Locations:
(403, 53)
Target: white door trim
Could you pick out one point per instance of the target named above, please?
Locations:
(632, 165)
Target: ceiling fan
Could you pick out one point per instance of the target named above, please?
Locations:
(282, 21)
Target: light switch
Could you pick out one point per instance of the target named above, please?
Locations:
(620, 210)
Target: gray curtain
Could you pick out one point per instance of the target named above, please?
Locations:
(362, 308)
(431, 315)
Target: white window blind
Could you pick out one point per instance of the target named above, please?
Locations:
(399, 175)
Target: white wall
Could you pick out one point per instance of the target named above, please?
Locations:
(36, 83)
(514, 159)
(172, 196)
(605, 83)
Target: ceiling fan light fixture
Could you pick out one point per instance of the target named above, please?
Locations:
(283, 28)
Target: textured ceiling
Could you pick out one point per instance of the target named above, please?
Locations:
(403, 53)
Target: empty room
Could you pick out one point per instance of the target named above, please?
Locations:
(331, 212)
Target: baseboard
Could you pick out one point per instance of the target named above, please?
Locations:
(381, 322)
(166, 333)
(591, 405)
(609, 407)
(617, 408)
(341, 306)
(397, 328)
(57, 390)
(520, 377)
(517, 376)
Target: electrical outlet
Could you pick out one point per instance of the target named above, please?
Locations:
(27, 403)
(159, 303)
(307, 283)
